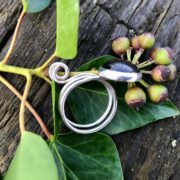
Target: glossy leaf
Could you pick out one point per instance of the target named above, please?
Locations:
(34, 6)
(33, 160)
(96, 63)
(67, 28)
(94, 102)
(87, 157)
(55, 92)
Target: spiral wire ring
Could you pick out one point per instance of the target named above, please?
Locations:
(70, 85)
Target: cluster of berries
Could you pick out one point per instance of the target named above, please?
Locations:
(165, 70)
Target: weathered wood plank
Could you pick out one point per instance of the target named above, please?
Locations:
(146, 153)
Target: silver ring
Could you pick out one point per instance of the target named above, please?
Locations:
(104, 120)
(55, 68)
(74, 82)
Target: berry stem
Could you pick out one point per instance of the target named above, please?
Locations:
(129, 52)
(144, 83)
(131, 84)
(146, 63)
(146, 72)
(28, 105)
(22, 107)
(6, 58)
(137, 56)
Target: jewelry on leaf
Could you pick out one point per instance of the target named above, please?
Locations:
(115, 70)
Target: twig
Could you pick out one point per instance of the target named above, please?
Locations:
(22, 107)
(28, 105)
(44, 66)
(5, 60)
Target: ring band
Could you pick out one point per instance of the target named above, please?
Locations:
(70, 85)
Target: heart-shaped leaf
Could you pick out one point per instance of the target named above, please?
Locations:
(34, 6)
(87, 157)
(33, 160)
(67, 28)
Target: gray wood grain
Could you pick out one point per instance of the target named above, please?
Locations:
(147, 153)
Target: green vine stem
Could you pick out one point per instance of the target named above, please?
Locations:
(22, 107)
(44, 66)
(28, 105)
(93, 71)
(5, 60)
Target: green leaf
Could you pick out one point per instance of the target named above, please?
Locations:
(87, 157)
(94, 102)
(55, 92)
(96, 63)
(34, 6)
(33, 160)
(67, 28)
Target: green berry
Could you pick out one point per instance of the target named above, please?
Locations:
(120, 45)
(157, 93)
(146, 40)
(135, 42)
(160, 73)
(162, 56)
(135, 97)
(173, 70)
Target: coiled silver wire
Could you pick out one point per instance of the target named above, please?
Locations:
(74, 82)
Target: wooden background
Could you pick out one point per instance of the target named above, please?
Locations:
(146, 153)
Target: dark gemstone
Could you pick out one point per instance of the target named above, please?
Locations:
(121, 66)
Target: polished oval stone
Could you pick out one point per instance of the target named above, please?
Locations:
(121, 66)
(120, 70)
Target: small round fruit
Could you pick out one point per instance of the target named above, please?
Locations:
(146, 40)
(173, 70)
(160, 73)
(153, 53)
(135, 97)
(120, 45)
(157, 93)
(162, 56)
(135, 42)
(171, 52)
